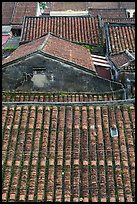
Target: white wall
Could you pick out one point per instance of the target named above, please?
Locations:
(68, 13)
(38, 11)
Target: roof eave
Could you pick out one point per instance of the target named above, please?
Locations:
(16, 60)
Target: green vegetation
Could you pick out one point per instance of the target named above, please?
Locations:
(9, 48)
(42, 5)
(89, 47)
(94, 48)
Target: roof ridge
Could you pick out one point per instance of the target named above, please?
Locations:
(47, 36)
(13, 12)
(52, 34)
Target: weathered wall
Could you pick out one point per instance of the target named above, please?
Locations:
(57, 76)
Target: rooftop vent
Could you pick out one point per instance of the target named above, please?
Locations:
(114, 131)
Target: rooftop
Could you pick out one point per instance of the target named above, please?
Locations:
(64, 6)
(119, 37)
(108, 13)
(103, 5)
(127, 5)
(14, 12)
(52, 153)
(82, 6)
(122, 59)
(54, 46)
(117, 20)
(76, 29)
(12, 42)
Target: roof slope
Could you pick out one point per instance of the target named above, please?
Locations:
(108, 13)
(55, 46)
(7, 11)
(76, 29)
(64, 6)
(14, 12)
(12, 42)
(121, 59)
(25, 49)
(103, 5)
(127, 5)
(23, 9)
(120, 36)
(67, 153)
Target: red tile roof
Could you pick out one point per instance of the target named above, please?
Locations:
(61, 97)
(57, 47)
(121, 59)
(64, 6)
(14, 12)
(83, 6)
(103, 72)
(25, 49)
(120, 36)
(127, 5)
(108, 13)
(67, 153)
(7, 11)
(76, 29)
(118, 20)
(23, 9)
(103, 5)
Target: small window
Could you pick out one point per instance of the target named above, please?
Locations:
(16, 32)
(114, 131)
(134, 15)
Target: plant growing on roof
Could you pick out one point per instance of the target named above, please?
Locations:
(9, 48)
(42, 5)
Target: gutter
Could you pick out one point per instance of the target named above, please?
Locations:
(108, 46)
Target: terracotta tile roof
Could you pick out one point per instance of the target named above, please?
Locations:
(76, 29)
(103, 5)
(119, 37)
(64, 6)
(25, 49)
(121, 59)
(67, 153)
(117, 20)
(61, 97)
(55, 46)
(23, 9)
(103, 72)
(13, 12)
(108, 13)
(127, 5)
(7, 11)
(82, 6)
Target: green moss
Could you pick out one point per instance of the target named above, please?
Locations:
(10, 48)
(89, 47)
